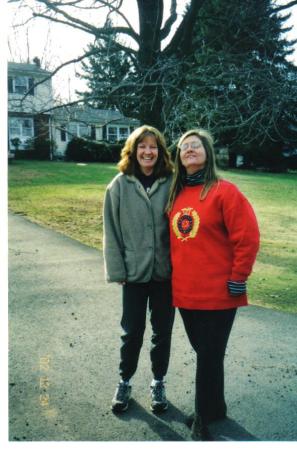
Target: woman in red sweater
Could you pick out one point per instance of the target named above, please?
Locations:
(214, 240)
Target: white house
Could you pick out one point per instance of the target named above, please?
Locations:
(31, 114)
(86, 122)
(29, 97)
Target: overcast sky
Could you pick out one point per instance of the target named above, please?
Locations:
(56, 43)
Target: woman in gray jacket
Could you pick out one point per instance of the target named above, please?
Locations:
(136, 255)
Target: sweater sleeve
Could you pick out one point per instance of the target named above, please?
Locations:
(243, 231)
(114, 265)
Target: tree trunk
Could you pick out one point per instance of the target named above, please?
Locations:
(150, 96)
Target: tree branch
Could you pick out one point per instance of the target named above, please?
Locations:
(282, 7)
(85, 26)
(72, 61)
(117, 10)
(170, 21)
(99, 33)
(183, 35)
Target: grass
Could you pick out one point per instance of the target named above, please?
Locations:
(68, 197)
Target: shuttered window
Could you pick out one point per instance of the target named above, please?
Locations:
(21, 85)
(10, 85)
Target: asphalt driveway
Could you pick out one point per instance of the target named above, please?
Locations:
(64, 347)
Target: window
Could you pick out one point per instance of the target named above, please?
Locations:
(21, 85)
(72, 128)
(115, 133)
(15, 128)
(78, 130)
(124, 133)
(27, 129)
(63, 133)
(22, 128)
(93, 132)
(83, 130)
(112, 134)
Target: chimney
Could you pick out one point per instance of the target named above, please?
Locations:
(37, 62)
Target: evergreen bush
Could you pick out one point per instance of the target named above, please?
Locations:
(83, 150)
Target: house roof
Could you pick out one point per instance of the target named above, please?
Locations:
(26, 68)
(86, 114)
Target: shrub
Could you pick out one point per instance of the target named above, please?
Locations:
(43, 148)
(83, 150)
(36, 148)
(77, 150)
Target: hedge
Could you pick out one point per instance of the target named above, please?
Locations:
(82, 150)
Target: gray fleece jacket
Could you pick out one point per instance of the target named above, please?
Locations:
(136, 231)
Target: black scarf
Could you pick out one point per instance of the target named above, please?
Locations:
(146, 180)
(196, 178)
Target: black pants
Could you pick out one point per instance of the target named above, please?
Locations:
(208, 332)
(136, 296)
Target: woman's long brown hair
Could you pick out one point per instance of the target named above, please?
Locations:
(128, 163)
(211, 175)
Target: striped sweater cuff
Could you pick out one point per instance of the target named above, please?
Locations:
(236, 287)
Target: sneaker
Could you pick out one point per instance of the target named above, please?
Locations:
(159, 401)
(120, 401)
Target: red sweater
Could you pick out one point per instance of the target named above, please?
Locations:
(212, 241)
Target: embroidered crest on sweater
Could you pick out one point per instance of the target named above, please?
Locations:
(185, 223)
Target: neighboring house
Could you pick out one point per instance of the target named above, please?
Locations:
(31, 114)
(89, 123)
(27, 101)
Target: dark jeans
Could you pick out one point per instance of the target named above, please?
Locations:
(136, 296)
(208, 332)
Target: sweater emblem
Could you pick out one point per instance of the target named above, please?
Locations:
(185, 224)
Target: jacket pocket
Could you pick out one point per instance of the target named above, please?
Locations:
(130, 263)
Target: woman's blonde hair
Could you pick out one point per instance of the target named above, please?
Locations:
(211, 175)
(128, 163)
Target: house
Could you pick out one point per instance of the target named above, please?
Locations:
(29, 96)
(89, 123)
(32, 114)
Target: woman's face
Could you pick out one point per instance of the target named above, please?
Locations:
(192, 154)
(147, 154)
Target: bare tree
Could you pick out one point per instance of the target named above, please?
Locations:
(165, 84)
(145, 47)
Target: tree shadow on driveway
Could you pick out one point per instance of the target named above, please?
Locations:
(229, 430)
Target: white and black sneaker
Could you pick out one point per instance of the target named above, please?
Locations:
(158, 397)
(120, 401)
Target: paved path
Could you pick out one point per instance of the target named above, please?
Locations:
(64, 344)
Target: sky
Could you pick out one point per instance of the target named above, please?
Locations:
(55, 43)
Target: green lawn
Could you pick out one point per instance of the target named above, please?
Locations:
(64, 196)
(68, 198)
